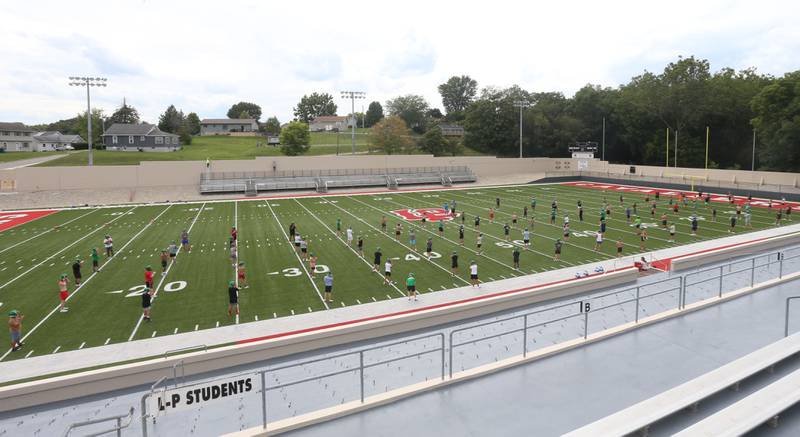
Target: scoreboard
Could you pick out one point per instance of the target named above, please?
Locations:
(583, 149)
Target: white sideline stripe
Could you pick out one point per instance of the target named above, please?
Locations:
(196, 326)
(49, 230)
(82, 345)
(163, 277)
(65, 248)
(302, 264)
(56, 349)
(107, 340)
(77, 289)
(154, 334)
(29, 353)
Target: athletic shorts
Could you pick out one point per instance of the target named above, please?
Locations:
(473, 276)
(412, 288)
(671, 234)
(63, 295)
(244, 277)
(233, 300)
(77, 275)
(145, 301)
(663, 222)
(412, 241)
(397, 233)
(163, 263)
(94, 263)
(296, 244)
(558, 251)
(149, 284)
(603, 228)
(304, 249)
(184, 242)
(479, 245)
(387, 274)
(619, 250)
(173, 255)
(526, 241)
(328, 288)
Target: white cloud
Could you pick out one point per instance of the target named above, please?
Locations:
(203, 56)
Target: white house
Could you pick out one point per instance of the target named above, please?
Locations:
(16, 137)
(52, 141)
(330, 123)
(225, 126)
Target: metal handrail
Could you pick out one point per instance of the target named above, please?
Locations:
(118, 428)
(786, 323)
(188, 348)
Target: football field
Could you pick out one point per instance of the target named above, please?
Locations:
(192, 294)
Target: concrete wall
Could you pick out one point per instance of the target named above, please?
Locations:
(187, 173)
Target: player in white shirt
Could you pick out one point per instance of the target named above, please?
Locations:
(387, 272)
(598, 240)
(349, 236)
(473, 274)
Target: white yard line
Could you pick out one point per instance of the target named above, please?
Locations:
(398, 242)
(65, 248)
(49, 230)
(302, 264)
(163, 277)
(236, 261)
(349, 247)
(444, 238)
(78, 288)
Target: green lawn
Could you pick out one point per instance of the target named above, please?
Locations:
(213, 147)
(193, 293)
(17, 156)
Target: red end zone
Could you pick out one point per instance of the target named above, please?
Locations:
(11, 219)
(719, 198)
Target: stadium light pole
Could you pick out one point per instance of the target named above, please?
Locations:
(753, 163)
(88, 82)
(604, 140)
(521, 104)
(353, 95)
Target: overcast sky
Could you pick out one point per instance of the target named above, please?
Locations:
(203, 56)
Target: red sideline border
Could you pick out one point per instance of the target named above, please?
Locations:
(10, 220)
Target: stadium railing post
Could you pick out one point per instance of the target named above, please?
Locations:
(680, 289)
(144, 415)
(525, 336)
(637, 305)
(264, 398)
(442, 334)
(585, 325)
(720, 281)
(361, 372)
(780, 266)
(450, 361)
(753, 273)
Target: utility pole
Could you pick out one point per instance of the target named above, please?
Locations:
(604, 140)
(88, 82)
(753, 164)
(675, 161)
(521, 104)
(353, 95)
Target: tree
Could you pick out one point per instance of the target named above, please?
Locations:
(245, 115)
(435, 114)
(412, 109)
(184, 136)
(97, 126)
(777, 122)
(434, 142)
(171, 120)
(457, 93)
(253, 110)
(272, 126)
(492, 122)
(295, 139)
(314, 105)
(391, 135)
(374, 114)
(192, 124)
(124, 114)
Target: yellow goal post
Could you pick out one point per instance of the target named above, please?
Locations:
(691, 178)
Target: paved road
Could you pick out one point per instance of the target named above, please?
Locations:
(11, 165)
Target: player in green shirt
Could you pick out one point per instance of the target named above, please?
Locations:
(411, 286)
(339, 226)
(95, 260)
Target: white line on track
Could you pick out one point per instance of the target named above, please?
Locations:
(56, 349)
(302, 264)
(49, 230)
(28, 354)
(77, 289)
(82, 345)
(62, 250)
(196, 326)
(163, 277)
(107, 341)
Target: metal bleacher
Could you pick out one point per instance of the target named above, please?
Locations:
(251, 183)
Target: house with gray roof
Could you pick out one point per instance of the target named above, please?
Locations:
(16, 137)
(139, 138)
(51, 141)
(226, 126)
(324, 123)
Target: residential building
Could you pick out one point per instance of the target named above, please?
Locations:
(330, 123)
(451, 130)
(139, 138)
(15, 137)
(51, 141)
(226, 126)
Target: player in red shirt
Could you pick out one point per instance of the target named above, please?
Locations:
(241, 273)
(148, 277)
(63, 293)
(234, 233)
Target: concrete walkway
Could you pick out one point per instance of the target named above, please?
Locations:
(104, 355)
(21, 163)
